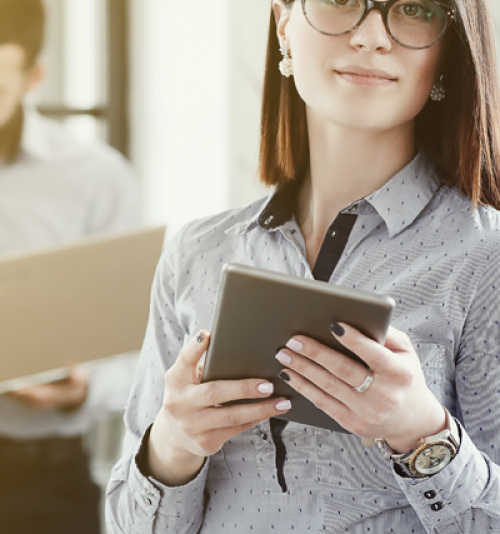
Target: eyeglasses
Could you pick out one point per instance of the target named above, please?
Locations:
(415, 24)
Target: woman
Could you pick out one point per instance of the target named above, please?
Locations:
(389, 128)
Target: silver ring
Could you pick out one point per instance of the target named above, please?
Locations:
(366, 384)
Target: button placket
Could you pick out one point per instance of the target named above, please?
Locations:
(435, 507)
(265, 454)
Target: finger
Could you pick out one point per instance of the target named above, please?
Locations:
(376, 356)
(336, 363)
(223, 391)
(221, 435)
(39, 397)
(200, 367)
(242, 414)
(324, 401)
(330, 382)
(78, 374)
(185, 367)
(397, 341)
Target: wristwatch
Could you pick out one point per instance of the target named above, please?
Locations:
(431, 456)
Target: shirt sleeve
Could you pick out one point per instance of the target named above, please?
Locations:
(464, 498)
(116, 204)
(135, 502)
(109, 386)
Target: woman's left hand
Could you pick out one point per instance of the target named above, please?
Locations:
(398, 406)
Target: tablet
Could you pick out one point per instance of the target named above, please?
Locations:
(258, 311)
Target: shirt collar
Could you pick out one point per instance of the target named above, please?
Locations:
(277, 210)
(401, 200)
(34, 140)
(398, 202)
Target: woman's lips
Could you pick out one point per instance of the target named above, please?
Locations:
(366, 77)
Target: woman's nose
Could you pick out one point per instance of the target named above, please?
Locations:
(372, 34)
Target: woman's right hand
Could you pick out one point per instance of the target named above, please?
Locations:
(192, 424)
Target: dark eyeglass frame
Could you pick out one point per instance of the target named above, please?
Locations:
(384, 7)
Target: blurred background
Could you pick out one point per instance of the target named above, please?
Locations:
(174, 86)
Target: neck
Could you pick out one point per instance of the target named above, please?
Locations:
(345, 165)
(10, 137)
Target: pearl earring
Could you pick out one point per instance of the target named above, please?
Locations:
(438, 92)
(286, 64)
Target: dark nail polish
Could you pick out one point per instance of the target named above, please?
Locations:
(284, 376)
(199, 338)
(337, 329)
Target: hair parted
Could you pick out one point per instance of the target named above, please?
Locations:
(22, 22)
(460, 134)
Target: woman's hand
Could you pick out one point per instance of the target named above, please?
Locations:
(398, 406)
(67, 394)
(192, 424)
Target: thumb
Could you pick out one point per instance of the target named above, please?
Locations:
(189, 363)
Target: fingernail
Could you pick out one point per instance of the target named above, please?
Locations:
(283, 405)
(294, 345)
(284, 376)
(199, 338)
(337, 329)
(266, 388)
(283, 358)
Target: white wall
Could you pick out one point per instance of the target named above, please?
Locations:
(197, 69)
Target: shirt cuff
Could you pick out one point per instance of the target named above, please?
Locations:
(153, 497)
(441, 499)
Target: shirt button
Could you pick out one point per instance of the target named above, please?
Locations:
(269, 220)
(263, 434)
(333, 233)
(430, 494)
(147, 501)
(437, 506)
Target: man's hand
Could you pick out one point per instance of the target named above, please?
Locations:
(67, 394)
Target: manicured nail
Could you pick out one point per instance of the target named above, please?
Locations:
(337, 329)
(266, 388)
(199, 338)
(295, 345)
(283, 405)
(283, 358)
(284, 376)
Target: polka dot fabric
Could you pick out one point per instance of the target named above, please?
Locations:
(415, 240)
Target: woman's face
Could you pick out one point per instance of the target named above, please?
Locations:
(363, 79)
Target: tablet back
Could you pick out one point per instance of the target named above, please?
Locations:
(258, 311)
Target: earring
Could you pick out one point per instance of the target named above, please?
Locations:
(438, 92)
(286, 64)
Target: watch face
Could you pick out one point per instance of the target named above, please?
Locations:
(432, 459)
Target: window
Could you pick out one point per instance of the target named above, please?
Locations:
(86, 54)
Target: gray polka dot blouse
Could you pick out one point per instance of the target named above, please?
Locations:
(414, 239)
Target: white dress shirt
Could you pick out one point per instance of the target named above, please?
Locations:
(57, 191)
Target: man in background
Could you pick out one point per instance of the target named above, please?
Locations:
(53, 190)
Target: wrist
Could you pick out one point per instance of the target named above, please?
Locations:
(433, 425)
(431, 456)
(167, 463)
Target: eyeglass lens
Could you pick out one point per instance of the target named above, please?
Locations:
(413, 23)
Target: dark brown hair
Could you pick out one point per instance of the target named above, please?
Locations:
(461, 134)
(22, 22)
